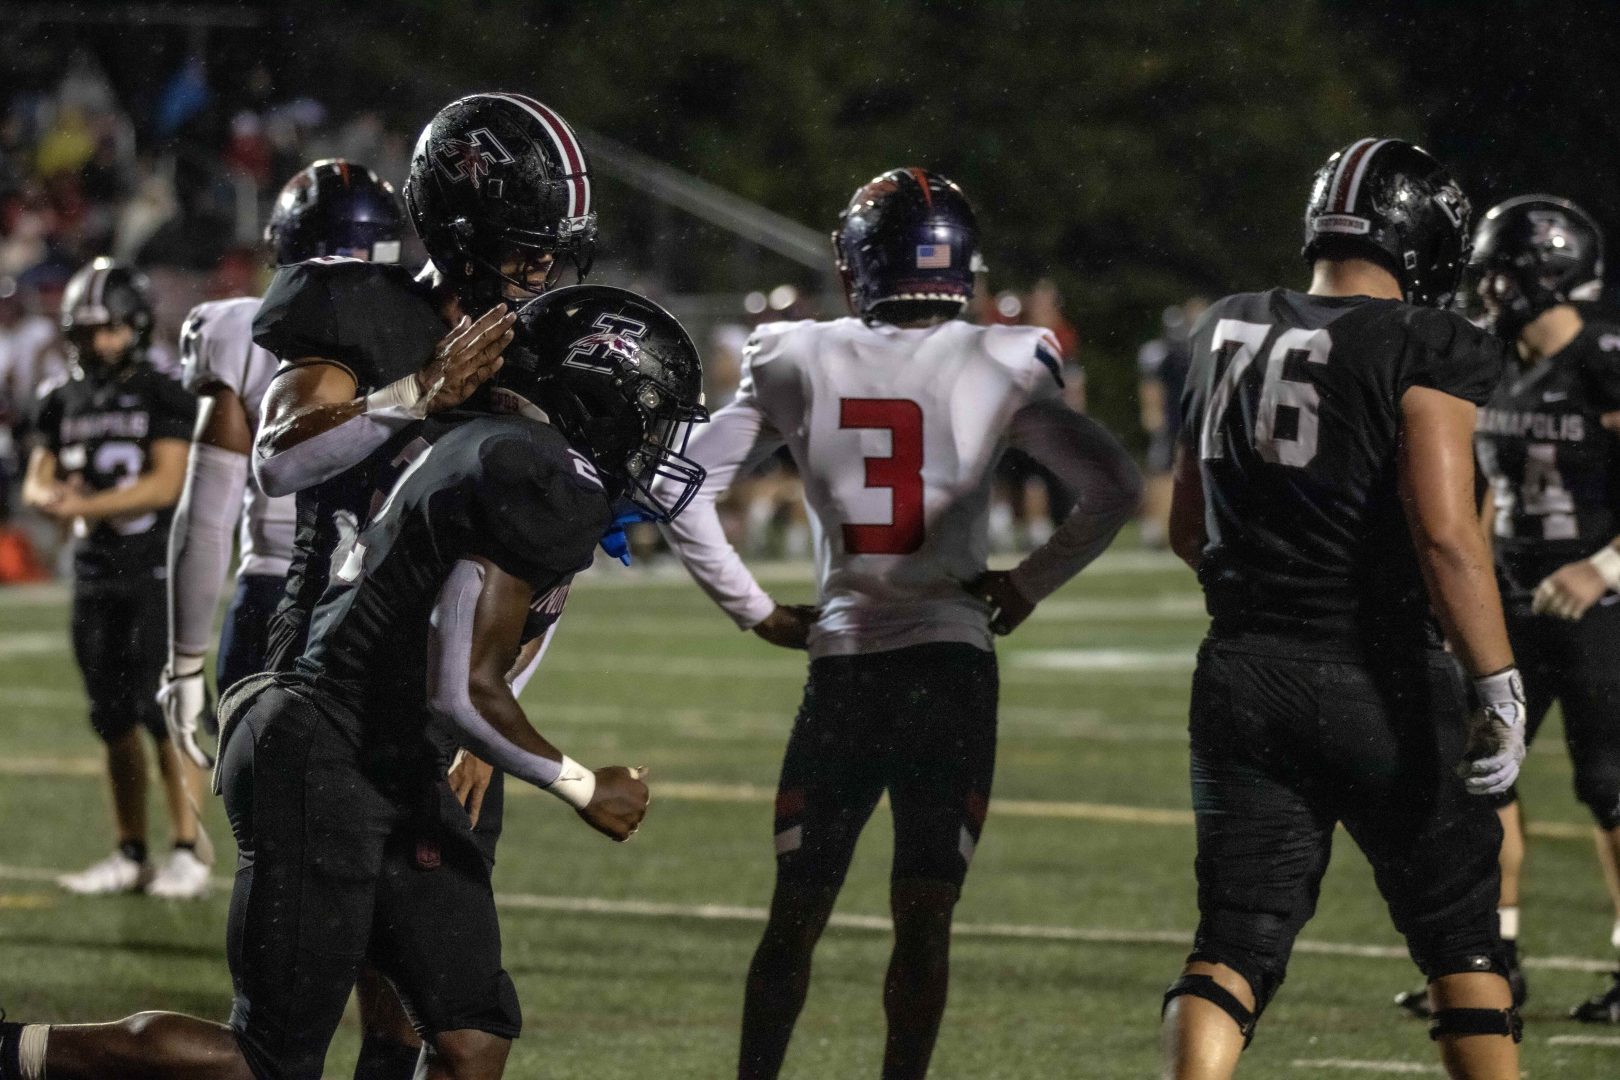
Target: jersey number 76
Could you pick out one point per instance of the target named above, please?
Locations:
(1285, 417)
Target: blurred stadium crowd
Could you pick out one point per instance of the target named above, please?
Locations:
(182, 184)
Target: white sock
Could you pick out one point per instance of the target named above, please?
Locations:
(31, 1050)
(1614, 935)
(1508, 920)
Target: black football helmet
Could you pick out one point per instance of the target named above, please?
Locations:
(1391, 202)
(498, 175)
(335, 207)
(908, 235)
(106, 293)
(1532, 253)
(620, 377)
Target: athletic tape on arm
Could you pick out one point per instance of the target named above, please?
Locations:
(448, 679)
(200, 543)
(1095, 469)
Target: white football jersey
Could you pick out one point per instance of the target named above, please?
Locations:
(216, 348)
(896, 433)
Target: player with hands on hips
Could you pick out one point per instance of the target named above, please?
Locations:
(895, 418)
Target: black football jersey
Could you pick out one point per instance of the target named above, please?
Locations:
(1553, 468)
(379, 323)
(1293, 407)
(507, 488)
(101, 430)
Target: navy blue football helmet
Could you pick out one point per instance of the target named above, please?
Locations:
(1531, 253)
(335, 207)
(620, 377)
(1391, 202)
(907, 236)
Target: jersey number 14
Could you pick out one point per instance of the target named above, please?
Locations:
(1285, 417)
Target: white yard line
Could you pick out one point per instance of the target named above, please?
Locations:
(1355, 1065)
(698, 791)
(1584, 1040)
(651, 909)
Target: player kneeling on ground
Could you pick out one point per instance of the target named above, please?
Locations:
(1325, 496)
(333, 774)
(895, 419)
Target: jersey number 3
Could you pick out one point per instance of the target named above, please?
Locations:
(1285, 417)
(900, 472)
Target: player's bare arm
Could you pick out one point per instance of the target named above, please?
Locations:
(476, 639)
(1436, 476)
(316, 397)
(1187, 533)
(1107, 487)
(155, 489)
(41, 489)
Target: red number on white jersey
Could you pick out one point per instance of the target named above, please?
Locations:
(900, 472)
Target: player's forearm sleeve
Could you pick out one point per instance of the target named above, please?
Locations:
(1105, 483)
(200, 543)
(736, 439)
(335, 450)
(449, 680)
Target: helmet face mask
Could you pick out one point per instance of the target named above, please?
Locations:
(335, 208)
(105, 294)
(907, 237)
(1392, 203)
(496, 179)
(619, 376)
(1532, 253)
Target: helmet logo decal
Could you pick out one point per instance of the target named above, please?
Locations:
(618, 338)
(1549, 228)
(470, 158)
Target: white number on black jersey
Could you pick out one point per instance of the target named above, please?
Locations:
(1285, 425)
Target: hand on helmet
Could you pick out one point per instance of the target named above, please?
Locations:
(465, 358)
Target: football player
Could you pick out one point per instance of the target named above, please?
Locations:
(1325, 496)
(500, 194)
(110, 461)
(1554, 473)
(333, 773)
(330, 208)
(895, 418)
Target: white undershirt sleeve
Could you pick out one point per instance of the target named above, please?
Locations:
(1105, 483)
(735, 440)
(200, 543)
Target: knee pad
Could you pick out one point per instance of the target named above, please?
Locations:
(1464, 963)
(1457, 1023)
(1205, 986)
(111, 723)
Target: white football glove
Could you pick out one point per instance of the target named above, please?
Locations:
(183, 695)
(1496, 734)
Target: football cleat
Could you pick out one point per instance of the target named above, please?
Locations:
(183, 877)
(1602, 1008)
(117, 873)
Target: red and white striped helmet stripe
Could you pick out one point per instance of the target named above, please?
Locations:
(1346, 183)
(567, 143)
